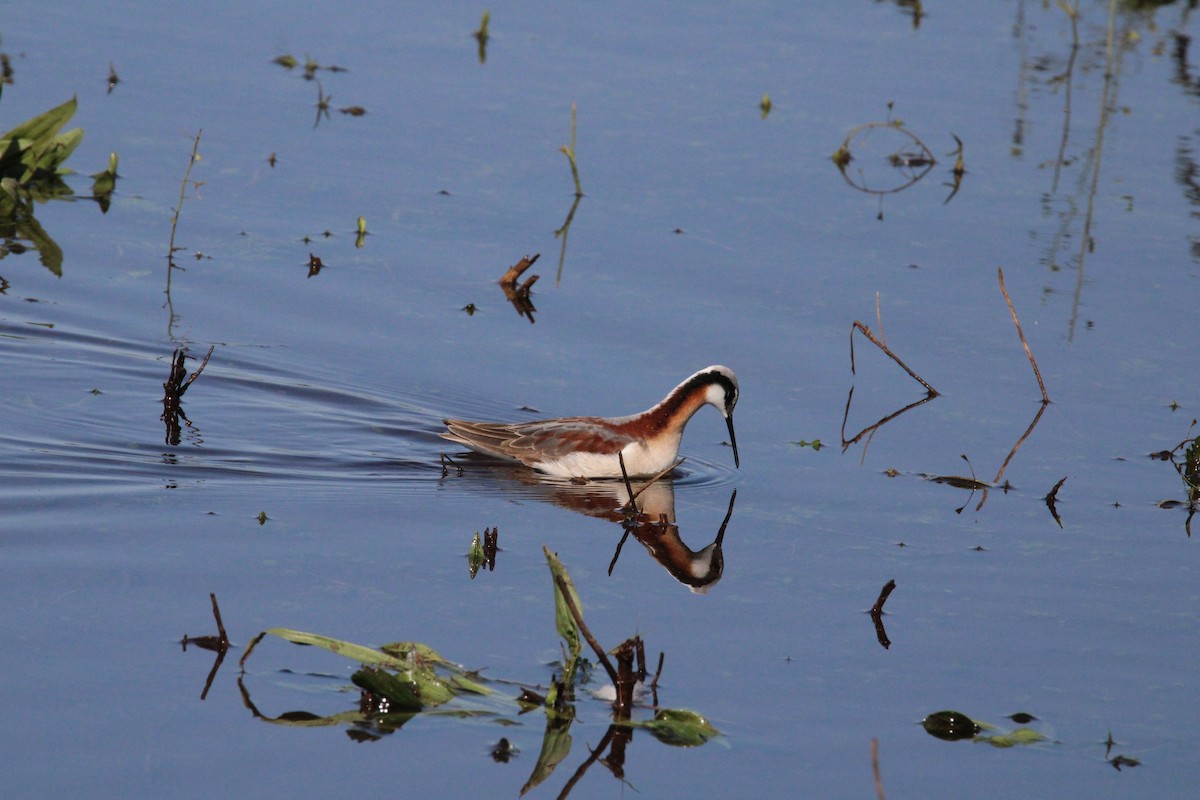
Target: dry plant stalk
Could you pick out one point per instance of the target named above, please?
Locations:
(1029, 353)
(519, 295)
(171, 248)
(867, 332)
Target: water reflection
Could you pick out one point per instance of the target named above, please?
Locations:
(651, 519)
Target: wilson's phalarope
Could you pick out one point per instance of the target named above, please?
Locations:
(587, 447)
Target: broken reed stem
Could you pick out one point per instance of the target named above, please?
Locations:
(583, 628)
(1029, 353)
(629, 488)
(222, 637)
(629, 506)
(569, 152)
(171, 249)
(196, 374)
(512, 273)
(657, 478)
(883, 596)
(867, 332)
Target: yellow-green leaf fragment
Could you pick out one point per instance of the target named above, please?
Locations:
(564, 621)
(679, 727)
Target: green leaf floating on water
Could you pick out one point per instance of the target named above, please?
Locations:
(403, 695)
(678, 727)
(1014, 738)
(411, 662)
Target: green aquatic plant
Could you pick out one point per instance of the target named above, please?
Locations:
(403, 680)
(33, 156)
(32, 170)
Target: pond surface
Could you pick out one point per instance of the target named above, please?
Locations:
(305, 488)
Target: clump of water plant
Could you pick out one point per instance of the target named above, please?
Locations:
(32, 157)
(404, 680)
(32, 161)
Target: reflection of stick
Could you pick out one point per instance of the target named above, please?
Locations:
(1037, 372)
(1036, 418)
(846, 415)
(631, 506)
(875, 768)
(867, 332)
(1052, 498)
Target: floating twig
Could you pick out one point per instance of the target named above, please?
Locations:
(867, 332)
(1037, 372)
(1052, 498)
(876, 613)
(519, 295)
(482, 36)
(883, 596)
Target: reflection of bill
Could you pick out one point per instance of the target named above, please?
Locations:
(653, 524)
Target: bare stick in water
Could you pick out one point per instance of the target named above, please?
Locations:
(1037, 372)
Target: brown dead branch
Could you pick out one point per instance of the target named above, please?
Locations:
(867, 332)
(883, 596)
(876, 613)
(174, 386)
(565, 593)
(1037, 372)
(519, 295)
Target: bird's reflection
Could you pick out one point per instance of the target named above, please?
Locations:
(652, 522)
